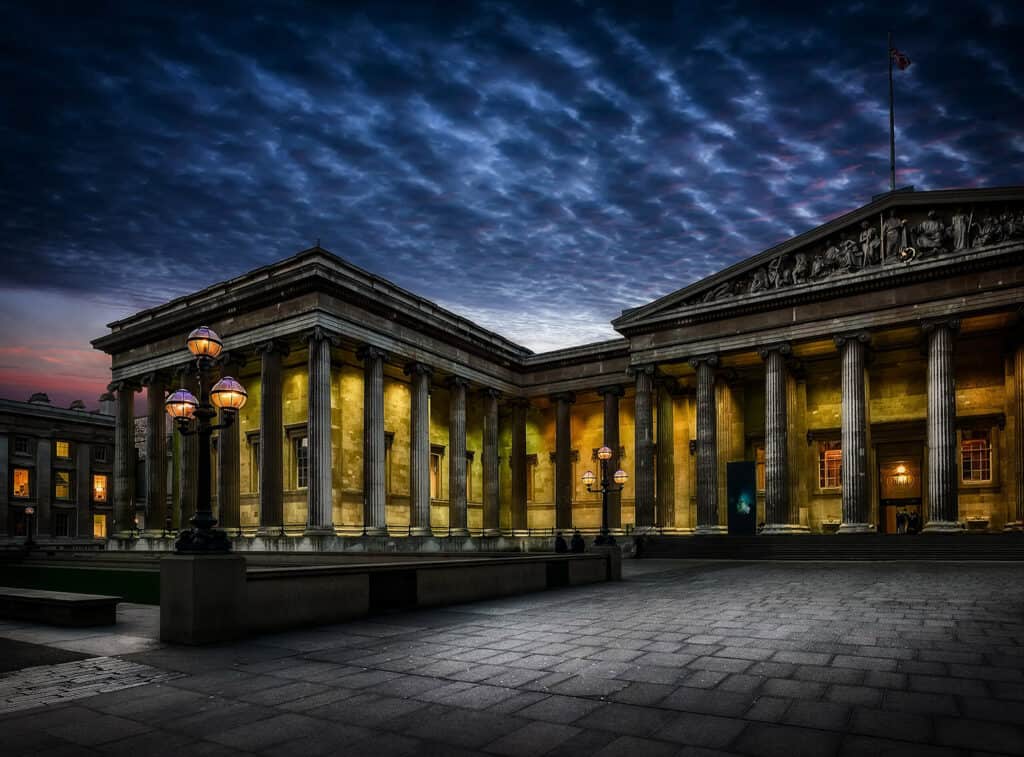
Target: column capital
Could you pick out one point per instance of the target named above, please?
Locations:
(124, 385)
(520, 402)
(641, 370)
(696, 360)
(783, 348)
(278, 346)
(367, 352)
(569, 397)
(418, 369)
(489, 391)
(155, 378)
(864, 337)
(320, 334)
(615, 389)
(669, 383)
(454, 381)
(929, 325)
(232, 359)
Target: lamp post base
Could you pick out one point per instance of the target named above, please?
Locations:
(203, 541)
(604, 539)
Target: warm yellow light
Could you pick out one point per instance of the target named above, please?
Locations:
(605, 453)
(621, 477)
(228, 394)
(204, 342)
(901, 469)
(588, 477)
(181, 404)
(99, 488)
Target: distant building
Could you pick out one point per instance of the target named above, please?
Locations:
(58, 461)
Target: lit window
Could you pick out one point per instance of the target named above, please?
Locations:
(435, 475)
(61, 523)
(301, 446)
(830, 463)
(99, 488)
(99, 526)
(63, 450)
(21, 483)
(62, 484)
(759, 461)
(976, 455)
(21, 445)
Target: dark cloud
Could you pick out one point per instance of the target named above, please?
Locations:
(537, 167)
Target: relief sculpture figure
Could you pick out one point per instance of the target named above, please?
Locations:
(928, 239)
(759, 281)
(799, 272)
(960, 230)
(849, 256)
(870, 244)
(894, 237)
(988, 230)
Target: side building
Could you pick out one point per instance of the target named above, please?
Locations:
(866, 370)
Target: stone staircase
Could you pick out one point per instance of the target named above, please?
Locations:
(832, 547)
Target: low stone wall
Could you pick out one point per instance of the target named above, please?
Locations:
(369, 544)
(208, 599)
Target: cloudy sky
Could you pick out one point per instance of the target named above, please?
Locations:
(535, 167)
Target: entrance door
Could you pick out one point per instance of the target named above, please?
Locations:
(899, 481)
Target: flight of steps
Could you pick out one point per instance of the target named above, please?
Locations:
(832, 547)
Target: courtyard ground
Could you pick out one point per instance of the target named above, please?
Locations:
(682, 657)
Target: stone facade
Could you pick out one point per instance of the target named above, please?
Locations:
(869, 367)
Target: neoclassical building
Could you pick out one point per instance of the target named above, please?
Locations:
(870, 368)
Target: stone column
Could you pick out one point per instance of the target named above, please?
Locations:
(124, 457)
(611, 396)
(320, 513)
(457, 518)
(1016, 521)
(943, 505)
(563, 460)
(188, 466)
(854, 472)
(780, 515)
(492, 525)
(5, 482)
(271, 439)
(518, 464)
(644, 450)
(419, 450)
(707, 446)
(665, 469)
(229, 482)
(156, 453)
(374, 492)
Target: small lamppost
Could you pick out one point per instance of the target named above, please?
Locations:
(195, 417)
(613, 484)
(29, 512)
(135, 527)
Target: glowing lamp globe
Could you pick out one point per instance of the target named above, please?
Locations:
(605, 453)
(620, 477)
(228, 394)
(204, 342)
(181, 405)
(588, 477)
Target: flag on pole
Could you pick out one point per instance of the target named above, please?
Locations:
(901, 59)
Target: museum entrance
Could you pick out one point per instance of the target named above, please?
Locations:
(899, 481)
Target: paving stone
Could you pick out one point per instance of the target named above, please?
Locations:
(768, 709)
(787, 741)
(866, 746)
(560, 709)
(924, 704)
(978, 735)
(803, 658)
(946, 685)
(827, 715)
(455, 726)
(532, 739)
(781, 687)
(726, 703)
(865, 696)
(642, 693)
(626, 718)
(701, 730)
(632, 746)
(894, 725)
(589, 686)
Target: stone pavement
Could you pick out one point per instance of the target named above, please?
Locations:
(690, 658)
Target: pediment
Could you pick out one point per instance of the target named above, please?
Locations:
(895, 234)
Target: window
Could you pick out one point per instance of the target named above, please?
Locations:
(22, 483)
(62, 484)
(830, 463)
(61, 523)
(759, 461)
(99, 488)
(976, 456)
(21, 445)
(99, 526)
(469, 476)
(100, 454)
(301, 447)
(531, 476)
(254, 467)
(63, 450)
(435, 475)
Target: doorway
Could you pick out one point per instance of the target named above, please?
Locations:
(899, 499)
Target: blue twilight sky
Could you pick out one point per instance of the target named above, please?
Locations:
(536, 167)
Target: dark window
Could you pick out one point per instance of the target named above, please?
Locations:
(21, 445)
(61, 523)
(62, 484)
(101, 454)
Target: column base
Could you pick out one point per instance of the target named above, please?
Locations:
(715, 530)
(942, 527)
(642, 530)
(269, 532)
(421, 531)
(460, 532)
(856, 528)
(318, 531)
(784, 528)
(375, 531)
(492, 532)
(1016, 525)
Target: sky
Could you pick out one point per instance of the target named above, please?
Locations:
(536, 167)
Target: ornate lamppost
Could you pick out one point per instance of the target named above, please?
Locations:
(29, 512)
(615, 483)
(194, 416)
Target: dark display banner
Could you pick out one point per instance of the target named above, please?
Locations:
(741, 493)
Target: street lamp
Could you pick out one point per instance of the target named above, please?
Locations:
(29, 512)
(194, 416)
(613, 484)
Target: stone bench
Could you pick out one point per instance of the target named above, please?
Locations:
(58, 608)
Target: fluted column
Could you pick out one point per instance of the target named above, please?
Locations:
(644, 449)
(563, 459)
(665, 470)
(188, 465)
(419, 450)
(156, 453)
(492, 525)
(229, 475)
(707, 446)
(1016, 521)
(518, 464)
(943, 504)
(271, 439)
(457, 517)
(854, 471)
(124, 457)
(320, 513)
(611, 395)
(374, 492)
(780, 515)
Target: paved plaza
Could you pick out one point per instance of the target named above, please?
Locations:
(692, 658)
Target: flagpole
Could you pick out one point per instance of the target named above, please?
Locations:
(892, 125)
